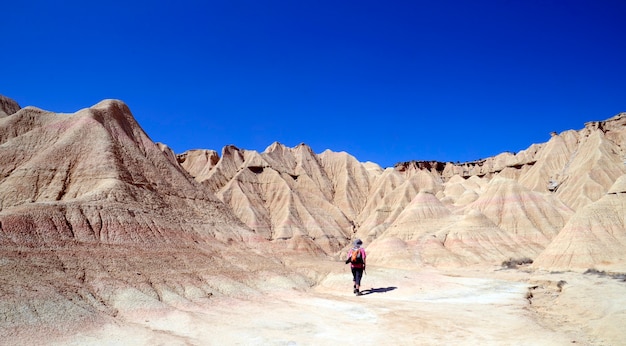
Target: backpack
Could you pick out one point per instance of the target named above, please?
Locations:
(357, 256)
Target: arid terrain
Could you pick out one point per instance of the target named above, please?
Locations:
(109, 238)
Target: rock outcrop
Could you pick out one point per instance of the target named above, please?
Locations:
(8, 106)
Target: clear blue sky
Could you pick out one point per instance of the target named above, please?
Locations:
(386, 81)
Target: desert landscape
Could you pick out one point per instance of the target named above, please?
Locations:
(109, 238)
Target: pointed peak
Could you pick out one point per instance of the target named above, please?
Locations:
(275, 146)
(229, 150)
(302, 147)
(111, 103)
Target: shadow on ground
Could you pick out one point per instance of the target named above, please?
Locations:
(378, 290)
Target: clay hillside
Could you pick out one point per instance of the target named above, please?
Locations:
(93, 214)
(99, 224)
(561, 203)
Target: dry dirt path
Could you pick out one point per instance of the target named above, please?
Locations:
(400, 307)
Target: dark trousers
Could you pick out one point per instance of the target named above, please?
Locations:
(357, 274)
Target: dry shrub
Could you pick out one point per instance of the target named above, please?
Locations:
(595, 271)
(512, 263)
(602, 273)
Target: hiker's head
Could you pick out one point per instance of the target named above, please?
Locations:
(358, 243)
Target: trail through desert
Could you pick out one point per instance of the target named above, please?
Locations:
(399, 306)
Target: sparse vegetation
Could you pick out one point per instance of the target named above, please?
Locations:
(595, 271)
(617, 276)
(513, 263)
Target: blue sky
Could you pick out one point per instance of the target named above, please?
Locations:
(386, 81)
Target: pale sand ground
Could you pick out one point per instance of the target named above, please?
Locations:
(405, 307)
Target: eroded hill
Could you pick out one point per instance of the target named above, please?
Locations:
(483, 212)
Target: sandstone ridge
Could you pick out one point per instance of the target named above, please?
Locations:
(95, 176)
(525, 199)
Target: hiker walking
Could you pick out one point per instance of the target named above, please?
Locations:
(356, 258)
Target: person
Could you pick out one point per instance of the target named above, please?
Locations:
(357, 267)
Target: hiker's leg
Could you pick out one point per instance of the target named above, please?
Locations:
(354, 276)
(357, 277)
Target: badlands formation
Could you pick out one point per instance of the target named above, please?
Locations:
(109, 238)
